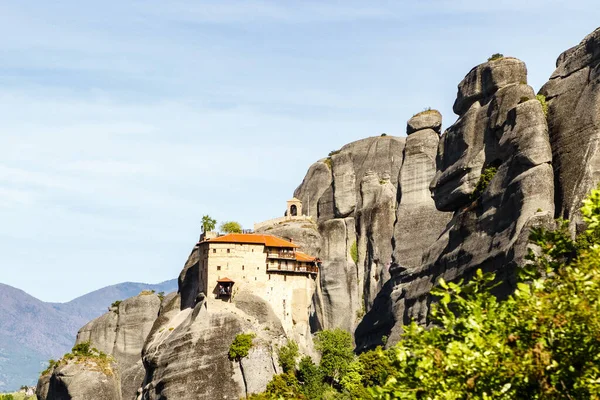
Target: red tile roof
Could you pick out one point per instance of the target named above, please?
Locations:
(225, 280)
(253, 238)
(303, 257)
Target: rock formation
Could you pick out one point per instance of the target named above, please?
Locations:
(81, 379)
(573, 96)
(501, 127)
(354, 190)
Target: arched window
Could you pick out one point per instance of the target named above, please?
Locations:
(293, 210)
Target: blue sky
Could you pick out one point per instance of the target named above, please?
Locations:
(122, 123)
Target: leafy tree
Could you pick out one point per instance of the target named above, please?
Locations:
(287, 356)
(312, 378)
(484, 180)
(208, 224)
(231, 227)
(543, 342)
(240, 346)
(336, 351)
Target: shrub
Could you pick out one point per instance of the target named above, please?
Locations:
(328, 162)
(543, 342)
(484, 180)
(334, 152)
(115, 304)
(161, 295)
(231, 227)
(240, 346)
(284, 386)
(523, 99)
(287, 356)
(496, 56)
(337, 351)
(542, 99)
(384, 134)
(354, 252)
(312, 378)
(147, 292)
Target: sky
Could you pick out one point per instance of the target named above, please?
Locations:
(122, 123)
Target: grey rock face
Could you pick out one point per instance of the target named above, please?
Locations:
(122, 333)
(418, 222)
(573, 96)
(79, 380)
(497, 127)
(186, 354)
(428, 119)
(355, 208)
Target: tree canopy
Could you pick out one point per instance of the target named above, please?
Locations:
(208, 224)
(231, 227)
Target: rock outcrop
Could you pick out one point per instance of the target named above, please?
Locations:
(81, 380)
(501, 127)
(418, 222)
(186, 355)
(573, 96)
(121, 333)
(355, 192)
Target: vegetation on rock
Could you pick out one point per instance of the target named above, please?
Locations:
(231, 227)
(542, 99)
(484, 180)
(354, 252)
(240, 346)
(496, 56)
(287, 356)
(84, 353)
(542, 342)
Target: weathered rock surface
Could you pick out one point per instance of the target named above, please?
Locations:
(428, 119)
(356, 204)
(497, 127)
(573, 96)
(418, 222)
(122, 333)
(81, 380)
(186, 354)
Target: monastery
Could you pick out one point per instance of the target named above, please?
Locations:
(265, 265)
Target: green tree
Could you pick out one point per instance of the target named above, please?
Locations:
(241, 345)
(543, 342)
(231, 227)
(208, 224)
(336, 351)
(287, 356)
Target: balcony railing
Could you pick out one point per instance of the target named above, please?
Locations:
(303, 269)
(282, 254)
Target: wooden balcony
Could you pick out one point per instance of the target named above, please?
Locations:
(284, 255)
(304, 269)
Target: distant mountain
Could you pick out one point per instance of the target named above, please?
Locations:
(33, 331)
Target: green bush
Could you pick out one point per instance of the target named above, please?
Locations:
(231, 227)
(542, 99)
(287, 356)
(354, 252)
(384, 134)
(328, 162)
(337, 351)
(6, 397)
(543, 342)
(240, 346)
(334, 152)
(496, 56)
(115, 304)
(484, 180)
(161, 295)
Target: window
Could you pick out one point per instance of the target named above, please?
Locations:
(214, 250)
(254, 278)
(228, 250)
(242, 267)
(257, 268)
(285, 279)
(218, 267)
(269, 276)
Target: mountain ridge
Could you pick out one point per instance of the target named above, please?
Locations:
(33, 331)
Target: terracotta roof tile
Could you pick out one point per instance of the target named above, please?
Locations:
(300, 256)
(253, 238)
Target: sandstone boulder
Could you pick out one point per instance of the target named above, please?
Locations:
(428, 119)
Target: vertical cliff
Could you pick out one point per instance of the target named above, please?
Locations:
(573, 96)
(501, 135)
